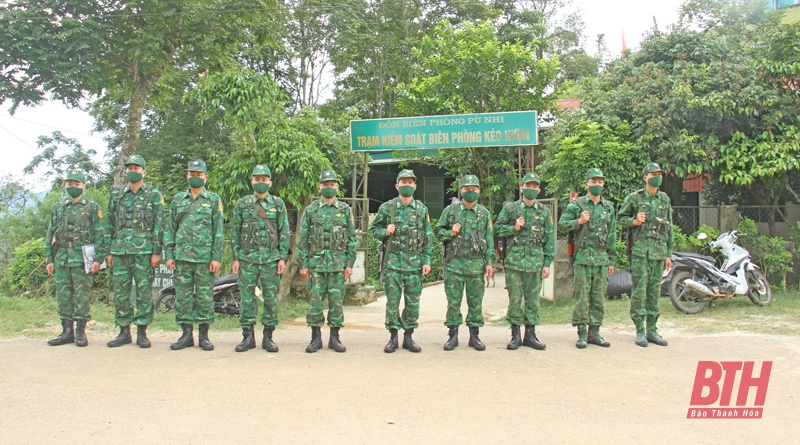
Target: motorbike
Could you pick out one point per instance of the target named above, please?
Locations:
(696, 279)
(227, 299)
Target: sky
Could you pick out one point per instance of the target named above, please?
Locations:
(18, 133)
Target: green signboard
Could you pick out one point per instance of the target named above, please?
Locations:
(461, 130)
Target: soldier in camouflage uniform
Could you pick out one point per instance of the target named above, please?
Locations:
(649, 213)
(531, 250)
(466, 229)
(403, 225)
(193, 246)
(260, 244)
(592, 219)
(76, 221)
(326, 250)
(134, 227)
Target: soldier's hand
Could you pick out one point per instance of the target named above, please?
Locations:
(520, 223)
(171, 264)
(426, 269)
(489, 272)
(235, 267)
(50, 268)
(456, 229)
(214, 267)
(640, 218)
(95, 267)
(110, 261)
(281, 267)
(390, 229)
(584, 217)
(154, 260)
(304, 273)
(545, 272)
(348, 271)
(610, 270)
(668, 263)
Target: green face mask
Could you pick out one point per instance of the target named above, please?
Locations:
(195, 182)
(133, 177)
(328, 192)
(470, 196)
(74, 191)
(261, 187)
(596, 190)
(406, 191)
(655, 181)
(530, 193)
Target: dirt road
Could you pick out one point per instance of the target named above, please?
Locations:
(624, 394)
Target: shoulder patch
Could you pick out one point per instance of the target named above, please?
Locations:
(99, 213)
(219, 205)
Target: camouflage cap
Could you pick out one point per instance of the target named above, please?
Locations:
(262, 170)
(594, 173)
(328, 175)
(531, 177)
(75, 175)
(469, 180)
(198, 165)
(136, 160)
(406, 173)
(652, 168)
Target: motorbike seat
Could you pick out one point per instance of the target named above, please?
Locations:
(227, 279)
(695, 255)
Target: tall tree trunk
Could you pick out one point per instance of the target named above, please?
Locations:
(292, 266)
(140, 90)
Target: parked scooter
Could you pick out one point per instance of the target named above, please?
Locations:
(696, 279)
(227, 299)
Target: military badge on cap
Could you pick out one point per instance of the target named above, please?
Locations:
(652, 168)
(262, 170)
(328, 175)
(594, 173)
(136, 160)
(406, 173)
(467, 180)
(198, 165)
(531, 177)
(76, 176)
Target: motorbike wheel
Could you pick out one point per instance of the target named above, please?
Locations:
(758, 289)
(164, 303)
(683, 298)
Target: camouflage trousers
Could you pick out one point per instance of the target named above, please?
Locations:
(646, 276)
(194, 293)
(527, 285)
(398, 284)
(454, 286)
(72, 292)
(590, 289)
(266, 277)
(330, 286)
(128, 269)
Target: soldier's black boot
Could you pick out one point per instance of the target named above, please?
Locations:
(316, 340)
(124, 338)
(266, 342)
(474, 341)
(595, 338)
(248, 339)
(334, 342)
(641, 338)
(202, 339)
(516, 340)
(408, 342)
(67, 334)
(392, 345)
(186, 339)
(452, 342)
(581, 343)
(530, 338)
(141, 336)
(80, 333)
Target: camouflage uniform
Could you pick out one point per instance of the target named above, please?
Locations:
(652, 245)
(595, 251)
(72, 226)
(193, 238)
(134, 227)
(407, 251)
(528, 251)
(468, 255)
(326, 247)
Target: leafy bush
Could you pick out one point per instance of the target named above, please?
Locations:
(622, 253)
(769, 253)
(26, 274)
(708, 230)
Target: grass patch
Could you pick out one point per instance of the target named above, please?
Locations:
(782, 317)
(37, 318)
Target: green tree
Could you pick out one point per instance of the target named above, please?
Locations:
(57, 162)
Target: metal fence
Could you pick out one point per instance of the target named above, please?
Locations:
(785, 217)
(690, 218)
